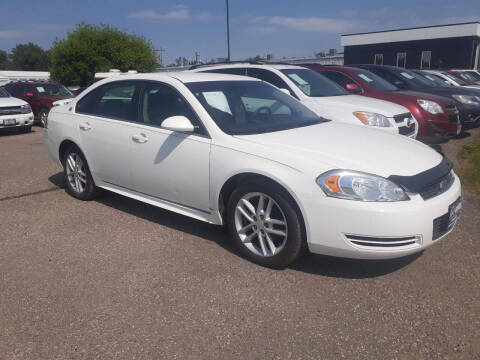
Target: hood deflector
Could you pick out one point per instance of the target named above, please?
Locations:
(416, 183)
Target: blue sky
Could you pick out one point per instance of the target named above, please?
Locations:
(181, 27)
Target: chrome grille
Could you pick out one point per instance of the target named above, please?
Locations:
(10, 110)
(439, 187)
(402, 117)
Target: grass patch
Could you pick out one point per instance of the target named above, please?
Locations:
(470, 170)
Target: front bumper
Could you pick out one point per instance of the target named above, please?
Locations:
(21, 120)
(334, 226)
(469, 114)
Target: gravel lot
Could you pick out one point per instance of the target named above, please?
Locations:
(118, 279)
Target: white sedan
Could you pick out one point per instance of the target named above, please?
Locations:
(233, 150)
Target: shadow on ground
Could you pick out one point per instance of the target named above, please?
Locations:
(309, 263)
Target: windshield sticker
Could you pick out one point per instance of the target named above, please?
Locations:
(217, 100)
(40, 89)
(407, 75)
(297, 79)
(365, 77)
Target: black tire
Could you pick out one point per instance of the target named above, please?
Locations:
(27, 129)
(295, 244)
(90, 191)
(42, 116)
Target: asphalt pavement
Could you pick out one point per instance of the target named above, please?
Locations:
(114, 278)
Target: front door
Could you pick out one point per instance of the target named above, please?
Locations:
(170, 165)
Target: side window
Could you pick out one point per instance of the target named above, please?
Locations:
(232, 71)
(378, 59)
(14, 90)
(160, 101)
(116, 100)
(268, 76)
(340, 78)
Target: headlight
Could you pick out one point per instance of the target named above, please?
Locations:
(352, 185)
(372, 119)
(467, 99)
(431, 106)
(25, 109)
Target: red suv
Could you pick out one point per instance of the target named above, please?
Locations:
(40, 95)
(437, 116)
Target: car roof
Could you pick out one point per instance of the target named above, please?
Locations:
(183, 76)
(249, 65)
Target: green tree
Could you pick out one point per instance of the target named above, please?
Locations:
(4, 63)
(91, 48)
(29, 57)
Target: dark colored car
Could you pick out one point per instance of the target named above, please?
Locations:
(467, 100)
(433, 124)
(40, 95)
(470, 77)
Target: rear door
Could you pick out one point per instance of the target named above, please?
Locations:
(106, 118)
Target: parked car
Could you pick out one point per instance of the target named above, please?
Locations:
(14, 113)
(437, 116)
(469, 76)
(467, 101)
(40, 95)
(443, 78)
(325, 97)
(234, 150)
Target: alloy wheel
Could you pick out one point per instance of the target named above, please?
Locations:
(76, 173)
(261, 224)
(43, 118)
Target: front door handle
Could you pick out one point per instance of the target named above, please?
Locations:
(140, 138)
(85, 126)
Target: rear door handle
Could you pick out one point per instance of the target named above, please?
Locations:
(140, 138)
(85, 126)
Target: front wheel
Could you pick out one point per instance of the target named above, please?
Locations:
(265, 225)
(79, 181)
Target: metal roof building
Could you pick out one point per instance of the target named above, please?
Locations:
(429, 47)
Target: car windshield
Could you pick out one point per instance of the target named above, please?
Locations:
(251, 107)
(413, 78)
(469, 76)
(375, 81)
(456, 79)
(474, 75)
(52, 90)
(313, 84)
(4, 93)
(435, 78)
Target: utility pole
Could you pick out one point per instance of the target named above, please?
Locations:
(161, 50)
(197, 57)
(228, 33)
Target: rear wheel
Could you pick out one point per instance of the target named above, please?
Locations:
(265, 225)
(79, 181)
(43, 116)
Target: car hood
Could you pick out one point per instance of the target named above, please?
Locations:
(427, 96)
(57, 97)
(11, 101)
(452, 90)
(333, 145)
(353, 103)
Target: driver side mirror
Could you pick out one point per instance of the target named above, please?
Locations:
(178, 124)
(29, 94)
(353, 88)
